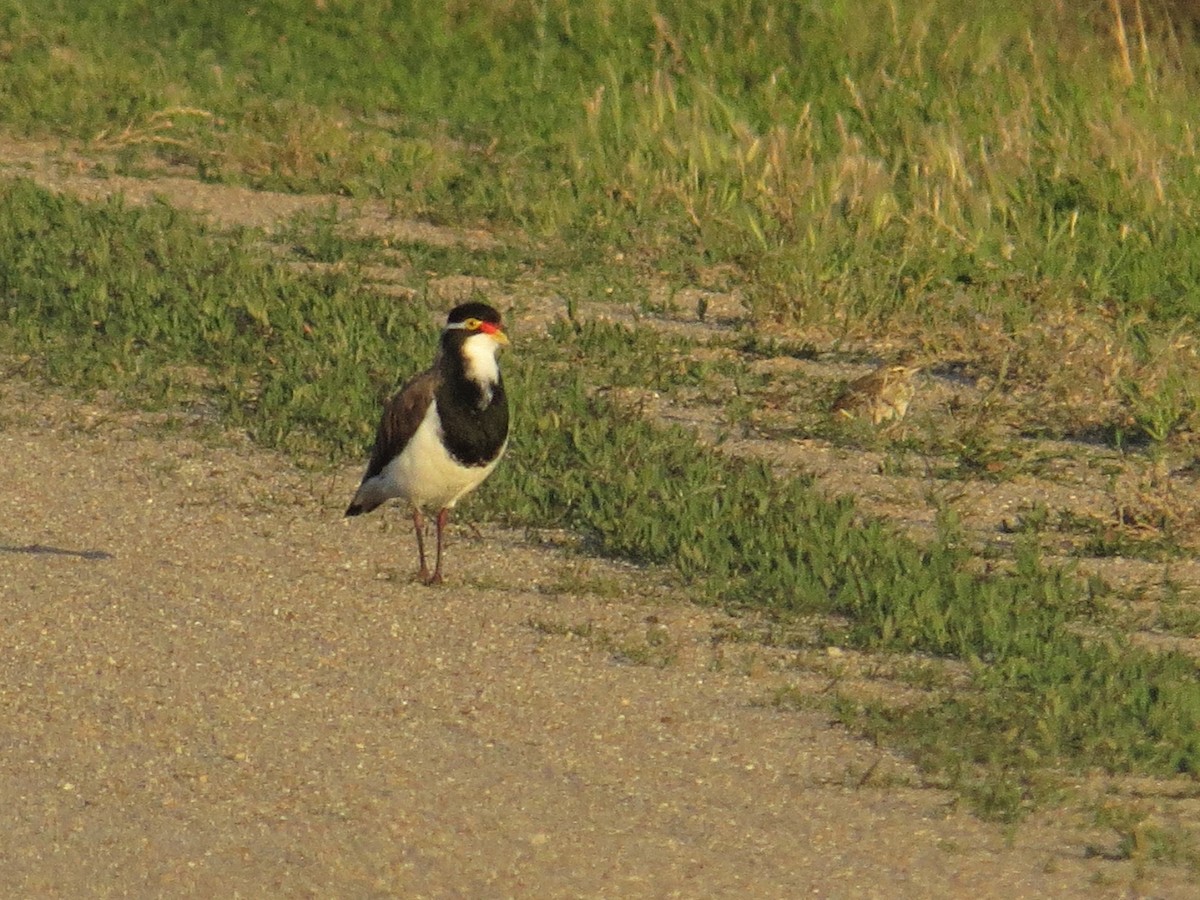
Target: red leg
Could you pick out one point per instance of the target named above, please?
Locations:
(419, 527)
(442, 517)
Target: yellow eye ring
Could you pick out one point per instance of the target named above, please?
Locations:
(472, 324)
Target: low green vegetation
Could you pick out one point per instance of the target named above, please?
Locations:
(134, 299)
(145, 303)
(1042, 152)
(1013, 188)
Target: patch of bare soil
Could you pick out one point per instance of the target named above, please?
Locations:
(61, 169)
(214, 684)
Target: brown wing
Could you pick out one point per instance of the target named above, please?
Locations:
(857, 392)
(401, 417)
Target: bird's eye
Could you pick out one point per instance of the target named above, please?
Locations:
(472, 324)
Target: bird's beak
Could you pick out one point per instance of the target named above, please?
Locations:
(495, 333)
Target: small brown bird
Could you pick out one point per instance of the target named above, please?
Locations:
(882, 395)
(444, 432)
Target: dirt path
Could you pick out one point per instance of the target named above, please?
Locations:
(213, 684)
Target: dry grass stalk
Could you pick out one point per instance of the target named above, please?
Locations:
(154, 131)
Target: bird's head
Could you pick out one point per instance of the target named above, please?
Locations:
(470, 319)
(475, 333)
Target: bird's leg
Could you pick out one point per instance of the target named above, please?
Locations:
(442, 517)
(419, 527)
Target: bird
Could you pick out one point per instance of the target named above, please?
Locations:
(881, 395)
(444, 431)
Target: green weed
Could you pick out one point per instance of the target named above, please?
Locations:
(1177, 611)
(317, 237)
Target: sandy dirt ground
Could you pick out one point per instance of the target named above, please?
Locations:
(212, 684)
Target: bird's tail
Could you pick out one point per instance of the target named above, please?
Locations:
(365, 500)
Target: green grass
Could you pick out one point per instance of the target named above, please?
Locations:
(134, 300)
(1016, 187)
(131, 299)
(841, 168)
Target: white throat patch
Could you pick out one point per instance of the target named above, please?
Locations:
(479, 356)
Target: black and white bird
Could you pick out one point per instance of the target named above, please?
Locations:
(444, 431)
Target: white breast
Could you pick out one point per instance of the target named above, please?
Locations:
(425, 474)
